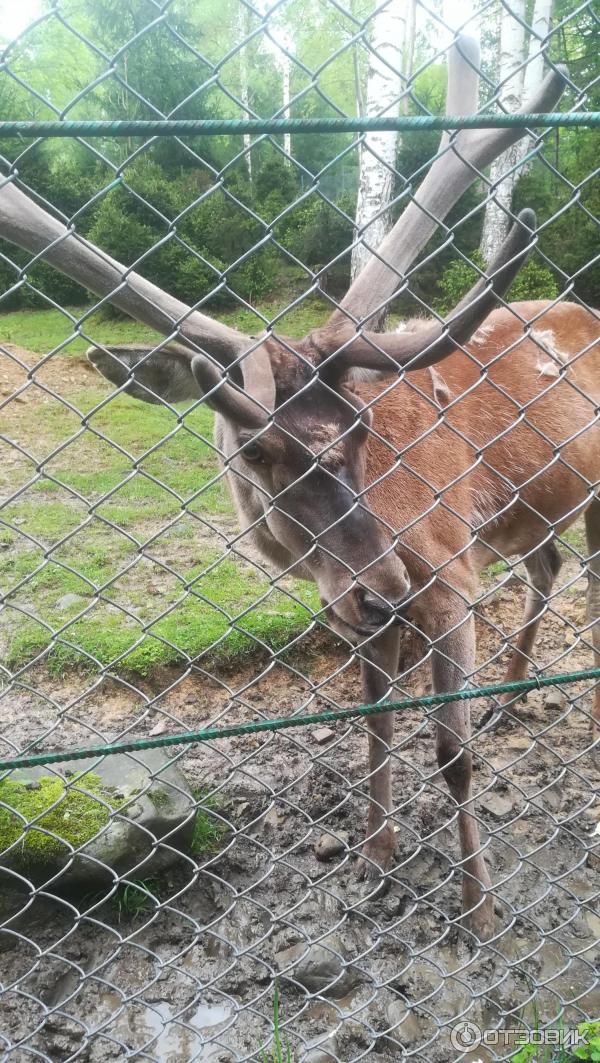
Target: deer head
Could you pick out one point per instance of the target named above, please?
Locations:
(291, 428)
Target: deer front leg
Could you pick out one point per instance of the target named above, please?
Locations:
(378, 671)
(452, 662)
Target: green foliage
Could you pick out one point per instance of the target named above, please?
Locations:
(133, 899)
(591, 1050)
(533, 282)
(281, 1050)
(209, 829)
(525, 1054)
(66, 815)
(316, 234)
(159, 183)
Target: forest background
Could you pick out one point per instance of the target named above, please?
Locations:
(188, 212)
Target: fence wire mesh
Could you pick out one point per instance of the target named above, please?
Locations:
(208, 902)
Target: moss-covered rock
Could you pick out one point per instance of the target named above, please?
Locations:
(38, 817)
(77, 829)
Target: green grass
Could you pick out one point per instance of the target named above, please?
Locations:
(201, 621)
(74, 814)
(133, 899)
(496, 568)
(177, 482)
(281, 1050)
(575, 537)
(209, 829)
(42, 331)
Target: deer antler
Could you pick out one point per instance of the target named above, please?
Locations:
(454, 169)
(435, 340)
(26, 224)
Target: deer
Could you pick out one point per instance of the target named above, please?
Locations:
(389, 468)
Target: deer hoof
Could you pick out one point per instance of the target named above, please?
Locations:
(495, 719)
(377, 855)
(481, 923)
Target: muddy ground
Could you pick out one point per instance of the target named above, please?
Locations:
(362, 976)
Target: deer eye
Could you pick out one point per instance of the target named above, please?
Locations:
(253, 452)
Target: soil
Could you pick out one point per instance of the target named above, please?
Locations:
(362, 973)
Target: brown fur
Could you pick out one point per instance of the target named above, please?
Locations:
(518, 471)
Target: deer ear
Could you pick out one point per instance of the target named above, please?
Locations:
(441, 391)
(163, 375)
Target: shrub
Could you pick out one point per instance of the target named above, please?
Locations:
(316, 234)
(533, 282)
(118, 232)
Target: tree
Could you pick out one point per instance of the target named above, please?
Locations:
(502, 173)
(244, 29)
(378, 150)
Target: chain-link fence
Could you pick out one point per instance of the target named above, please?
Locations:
(313, 472)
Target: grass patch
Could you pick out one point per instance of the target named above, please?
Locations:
(209, 830)
(214, 614)
(74, 814)
(575, 537)
(42, 331)
(126, 467)
(281, 1050)
(496, 568)
(133, 899)
(195, 628)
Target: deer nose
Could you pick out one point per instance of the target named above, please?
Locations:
(378, 611)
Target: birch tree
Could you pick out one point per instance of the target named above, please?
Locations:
(496, 220)
(285, 74)
(244, 31)
(512, 43)
(534, 71)
(378, 150)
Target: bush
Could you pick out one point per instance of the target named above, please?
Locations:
(118, 232)
(190, 279)
(53, 284)
(316, 233)
(533, 282)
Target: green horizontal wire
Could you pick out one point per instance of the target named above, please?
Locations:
(211, 734)
(216, 127)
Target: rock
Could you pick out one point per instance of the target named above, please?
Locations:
(329, 845)
(321, 1051)
(405, 1026)
(555, 698)
(68, 600)
(163, 807)
(498, 805)
(319, 968)
(322, 735)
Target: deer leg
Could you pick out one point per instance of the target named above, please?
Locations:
(378, 671)
(592, 531)
(453, 660)
(542, 569)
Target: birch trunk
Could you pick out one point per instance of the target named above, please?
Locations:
(244, 30)
(534, 71)
(409, 49)
(512, 40)
(378, 152)
(287, 138)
